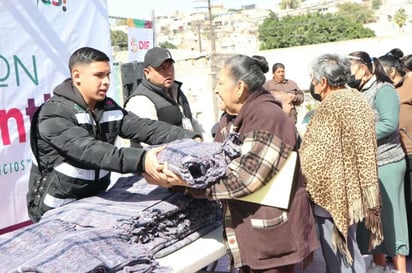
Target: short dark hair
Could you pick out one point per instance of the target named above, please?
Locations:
(87, 55)
(276, 66)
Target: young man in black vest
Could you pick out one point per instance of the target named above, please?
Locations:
(159, 95)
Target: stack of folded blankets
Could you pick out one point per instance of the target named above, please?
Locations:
(122, 230)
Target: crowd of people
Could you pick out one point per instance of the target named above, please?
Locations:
(351, 191)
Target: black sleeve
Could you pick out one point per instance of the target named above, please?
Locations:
(152, 132)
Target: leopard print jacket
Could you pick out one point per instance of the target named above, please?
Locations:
(339, 161)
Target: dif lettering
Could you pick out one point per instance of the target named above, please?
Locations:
(144, 45)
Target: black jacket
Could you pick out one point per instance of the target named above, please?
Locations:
(76, 147)
(168, 110)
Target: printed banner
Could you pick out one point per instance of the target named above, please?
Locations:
(37, 38)
(140, 38)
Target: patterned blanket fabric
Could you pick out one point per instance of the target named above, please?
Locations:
(122, 230)
(200, 163)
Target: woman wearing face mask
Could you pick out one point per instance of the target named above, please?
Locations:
(397, 70)
(338, 160)
(375, 85)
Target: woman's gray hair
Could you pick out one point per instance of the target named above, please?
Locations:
(334, 68)
(250, 70)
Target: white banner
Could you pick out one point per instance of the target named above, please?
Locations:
(37, 38)
(140, 39)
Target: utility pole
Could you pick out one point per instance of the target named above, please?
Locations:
(212, 29)
(199, 36)
(212, 60)
(154, 28)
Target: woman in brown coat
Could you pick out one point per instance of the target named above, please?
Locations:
(259, 238)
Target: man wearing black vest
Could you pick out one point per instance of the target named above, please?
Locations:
(159, 96)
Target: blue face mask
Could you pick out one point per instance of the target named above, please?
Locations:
(312, 92)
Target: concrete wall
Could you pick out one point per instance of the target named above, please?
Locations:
(298, 59)
(197, 78)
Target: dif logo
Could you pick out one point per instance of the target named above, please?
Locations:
(138, 45)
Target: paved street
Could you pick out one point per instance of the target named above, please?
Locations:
(317, 266)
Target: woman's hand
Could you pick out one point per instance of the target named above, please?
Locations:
(285, 98)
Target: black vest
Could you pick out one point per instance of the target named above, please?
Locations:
(167, 109)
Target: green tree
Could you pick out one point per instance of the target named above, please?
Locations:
(167, 45)
(400, 17)
(376, 4)
(308, 29)
(119, 38)
(357, 13)
(289, 4)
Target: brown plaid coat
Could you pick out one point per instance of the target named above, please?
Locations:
(259, 236)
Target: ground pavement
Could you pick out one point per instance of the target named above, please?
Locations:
(317, 266)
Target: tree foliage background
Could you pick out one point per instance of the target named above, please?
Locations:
(289, 4)
(400, 17)
(313, 28)
(119, 38)
(356, 13)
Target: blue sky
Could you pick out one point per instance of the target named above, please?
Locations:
(139, 9)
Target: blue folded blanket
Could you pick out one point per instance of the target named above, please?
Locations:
(200, 163)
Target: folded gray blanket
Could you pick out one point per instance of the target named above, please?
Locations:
(159, 228)
(122, 230)
(200, 163)
(56, 246)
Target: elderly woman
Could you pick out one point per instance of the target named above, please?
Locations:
(260, 238)
(338, 157)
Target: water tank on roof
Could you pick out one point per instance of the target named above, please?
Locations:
(132, 74)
